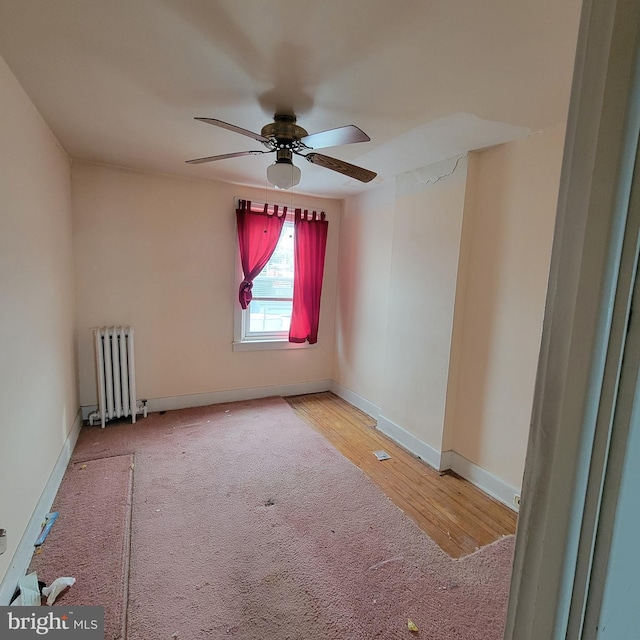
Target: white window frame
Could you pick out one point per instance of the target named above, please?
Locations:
(266, 340)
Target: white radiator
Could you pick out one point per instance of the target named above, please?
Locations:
(115, 375)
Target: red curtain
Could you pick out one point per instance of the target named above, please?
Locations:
(309, 248)
(258, 235)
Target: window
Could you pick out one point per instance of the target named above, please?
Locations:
(264, 324)
(269, 315)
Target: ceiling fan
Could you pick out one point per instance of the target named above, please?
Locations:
(285, 138)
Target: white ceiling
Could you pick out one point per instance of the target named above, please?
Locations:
(120, 81)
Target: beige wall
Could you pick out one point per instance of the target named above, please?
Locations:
(38, 389)
(509, 219)
(159, 253)
(399, 250)
(441, 299)
(422, 285)
(366, 234)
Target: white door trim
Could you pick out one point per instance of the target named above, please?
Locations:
(586, 318)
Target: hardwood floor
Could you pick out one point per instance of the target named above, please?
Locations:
(455, 514)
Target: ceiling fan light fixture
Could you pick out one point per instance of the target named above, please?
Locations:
(283, 174)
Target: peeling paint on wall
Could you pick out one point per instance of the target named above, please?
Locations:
(427, 177)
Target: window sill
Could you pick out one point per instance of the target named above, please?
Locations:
(267, 345)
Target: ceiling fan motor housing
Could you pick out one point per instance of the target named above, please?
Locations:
(284, 133)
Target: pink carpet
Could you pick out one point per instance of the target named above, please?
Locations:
(247, 524)
(90, 539)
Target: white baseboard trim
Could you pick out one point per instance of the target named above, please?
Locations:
(411, 443)
(394, 431)
(24, 551)
(483, 479)
(439, 460)
(356, 400)
(170, 403)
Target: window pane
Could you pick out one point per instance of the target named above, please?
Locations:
(276, 279)
(269, 316)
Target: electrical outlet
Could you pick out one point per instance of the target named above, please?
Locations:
(3, 541)
(516, 499)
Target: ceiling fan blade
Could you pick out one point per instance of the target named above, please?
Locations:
(233, 127)
(351, 170)
(224, 156)
(335, 137)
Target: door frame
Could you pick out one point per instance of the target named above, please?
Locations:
(588, 304)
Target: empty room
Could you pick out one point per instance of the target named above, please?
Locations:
(247, 396)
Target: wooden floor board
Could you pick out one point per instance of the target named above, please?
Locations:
(454, 513)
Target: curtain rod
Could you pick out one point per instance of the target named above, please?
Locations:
(261, 203)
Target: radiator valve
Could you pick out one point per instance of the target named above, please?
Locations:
(142, 408)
